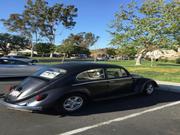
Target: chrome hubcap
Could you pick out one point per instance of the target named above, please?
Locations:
(73, 103)
(150, 89)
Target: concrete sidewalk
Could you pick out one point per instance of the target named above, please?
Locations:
(169, 86)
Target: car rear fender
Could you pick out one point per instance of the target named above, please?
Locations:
(141, 83)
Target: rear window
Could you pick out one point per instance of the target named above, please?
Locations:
(50, 73)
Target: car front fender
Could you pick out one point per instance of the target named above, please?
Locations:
(140, 83)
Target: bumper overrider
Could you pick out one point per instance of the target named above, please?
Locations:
(20, 107)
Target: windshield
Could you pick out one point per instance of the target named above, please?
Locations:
(50, 73)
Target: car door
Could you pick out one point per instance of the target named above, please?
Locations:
(119, 81)
(94, 80)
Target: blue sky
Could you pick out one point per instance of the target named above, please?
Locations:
(93, 16)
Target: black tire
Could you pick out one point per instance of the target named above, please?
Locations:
(149, 88)
(34, 61)
(62, 105)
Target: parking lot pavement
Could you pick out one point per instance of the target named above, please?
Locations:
(6, 84)
(165, 120)
(162, 122)
(169, 86)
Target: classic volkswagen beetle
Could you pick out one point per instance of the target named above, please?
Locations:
(68, 86)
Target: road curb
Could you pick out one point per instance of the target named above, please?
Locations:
(169, 86)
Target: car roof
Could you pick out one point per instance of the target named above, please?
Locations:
(79, 66)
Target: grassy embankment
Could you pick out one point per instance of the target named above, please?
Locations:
(163, 71)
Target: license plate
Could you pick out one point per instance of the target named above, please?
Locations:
(14, 93)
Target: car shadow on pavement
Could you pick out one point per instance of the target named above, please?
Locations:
(125, 103)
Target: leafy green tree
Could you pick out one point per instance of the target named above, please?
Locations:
(127, 51)
(78, 43)
(41, 20)
(69, 49)
(111, 51)
(82, 39)
(12, 42)
(44, 48)
(28, 22)
(148, 27)
(56, 16)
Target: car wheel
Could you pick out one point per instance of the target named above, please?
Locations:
(34, 61)
(149, 88)
(71, 103)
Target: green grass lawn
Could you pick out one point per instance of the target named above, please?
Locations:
(162, 71)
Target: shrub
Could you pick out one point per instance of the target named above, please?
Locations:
(163, 60)
(178, 61)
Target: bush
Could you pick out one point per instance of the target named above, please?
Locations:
(178, 61)
(163, 60)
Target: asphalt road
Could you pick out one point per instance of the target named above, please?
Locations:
(158, 114)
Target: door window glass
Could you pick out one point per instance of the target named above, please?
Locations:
(115, 73)
(94, 74)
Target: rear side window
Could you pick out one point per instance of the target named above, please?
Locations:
(115, 73)
(16, 62)
(89, 75)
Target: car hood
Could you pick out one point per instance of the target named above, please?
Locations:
(25, 89)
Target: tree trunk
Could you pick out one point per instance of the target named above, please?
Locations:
(32, 49)
(138, 60)
(140, 55)
(152, 59)
(63, 59)
(52, 41)
(51, 55)
(32, 45)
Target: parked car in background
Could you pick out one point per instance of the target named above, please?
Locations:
(69, 86)
(101, 58)
(23, 58)
(16, 68)
(74, 57)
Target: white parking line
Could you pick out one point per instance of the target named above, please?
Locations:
(79, 130)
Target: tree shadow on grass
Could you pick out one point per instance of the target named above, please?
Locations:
(169, 65)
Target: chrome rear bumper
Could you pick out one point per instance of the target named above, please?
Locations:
(19, 107)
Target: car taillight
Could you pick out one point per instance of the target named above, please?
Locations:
(40, 97)
(9, 88)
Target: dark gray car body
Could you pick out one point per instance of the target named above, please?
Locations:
(55, 89)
